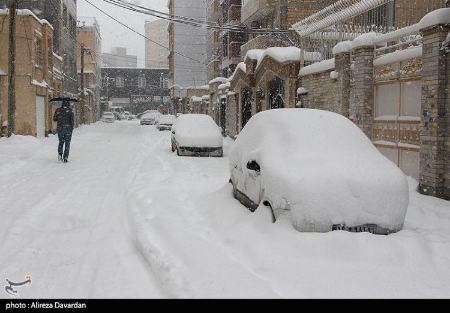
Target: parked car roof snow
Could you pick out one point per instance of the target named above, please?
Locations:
(197, 130)
(323, 168)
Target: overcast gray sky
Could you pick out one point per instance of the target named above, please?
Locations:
(115, 35)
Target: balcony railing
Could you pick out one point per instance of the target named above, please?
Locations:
(255, 9)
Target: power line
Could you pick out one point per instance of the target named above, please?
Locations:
(191, 21)
(140, 34)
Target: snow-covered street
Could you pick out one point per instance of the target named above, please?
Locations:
(126, 218)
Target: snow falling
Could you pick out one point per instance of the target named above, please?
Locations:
(127, 218)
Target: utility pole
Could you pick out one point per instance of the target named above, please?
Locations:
(12, 68)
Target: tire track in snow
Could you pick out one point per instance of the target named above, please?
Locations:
(161, 231)
(163, 266)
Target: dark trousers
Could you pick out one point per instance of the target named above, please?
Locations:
(64, 136)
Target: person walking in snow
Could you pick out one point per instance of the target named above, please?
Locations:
(65, 118)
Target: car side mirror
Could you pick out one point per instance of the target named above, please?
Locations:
(253, 166)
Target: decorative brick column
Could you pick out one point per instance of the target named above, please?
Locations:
(342, 66)
(362, 94)
(435, 128)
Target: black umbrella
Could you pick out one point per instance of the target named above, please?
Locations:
(60, 101)
(63, 99)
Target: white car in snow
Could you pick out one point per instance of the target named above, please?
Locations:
(108, 117)
(320, 170)
(150, 118)
(165, 122)
(197, 135)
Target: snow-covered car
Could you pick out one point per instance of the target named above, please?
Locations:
(139, 116)
(319, 169)
(165, 122)
(197, 135)
(150, 118)
(108, 117)
(126, 115)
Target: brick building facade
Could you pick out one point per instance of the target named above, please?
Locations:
(38, 74)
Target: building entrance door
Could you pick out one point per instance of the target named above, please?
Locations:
(40, 117)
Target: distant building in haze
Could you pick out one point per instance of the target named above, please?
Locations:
(119, 58)
(156, 49)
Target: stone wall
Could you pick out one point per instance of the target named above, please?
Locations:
(322, 92)
(434, 156)
(232, 115)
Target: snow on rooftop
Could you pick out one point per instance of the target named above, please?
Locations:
(318, 67)
(437, 17)
(399, 56)
(26, 12)
(241, 66)
(254, 54)
(221, 80)
(224, 86)
(288, 54)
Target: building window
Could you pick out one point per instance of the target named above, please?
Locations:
(120, 83)
(38, 52)
(142, 82)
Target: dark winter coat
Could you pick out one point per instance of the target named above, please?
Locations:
(64, 117)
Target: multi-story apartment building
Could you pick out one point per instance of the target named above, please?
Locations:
(275, 14)
(223, 53)
(119, 58)
(187, 43)
(38, 74)
(62, 15)
(214, 44)
(136, 89)
(90, 39)
(156, 55)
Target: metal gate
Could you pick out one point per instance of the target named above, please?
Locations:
(397, 123)
(276, 93)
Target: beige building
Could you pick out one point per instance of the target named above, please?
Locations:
(156, 56)
(38, 74)
(88, 34)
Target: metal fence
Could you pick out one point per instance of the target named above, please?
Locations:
(347, 19)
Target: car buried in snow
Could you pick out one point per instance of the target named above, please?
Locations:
(197, 135)
(108, 117)
(165, 122)
(150, 118)
(318, 169)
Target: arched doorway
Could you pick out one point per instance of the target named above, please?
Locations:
(246, 104)
(276, 94)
